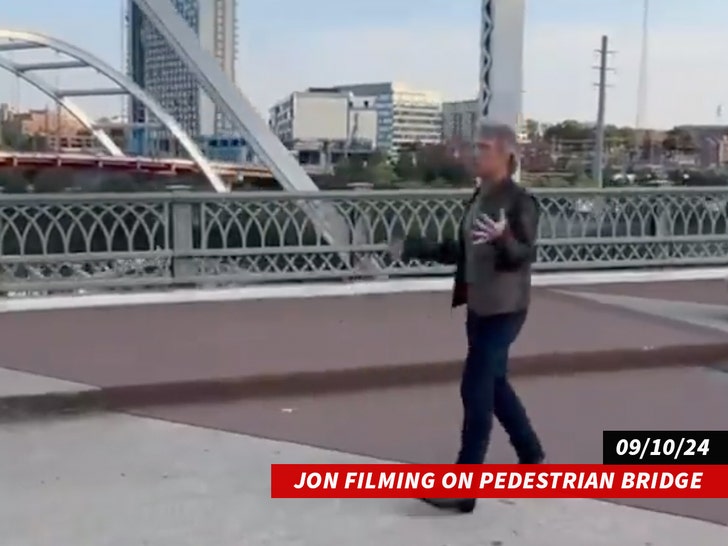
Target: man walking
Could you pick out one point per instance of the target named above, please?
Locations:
(493, 255)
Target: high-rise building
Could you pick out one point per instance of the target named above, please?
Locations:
(155, 66)
(406, 116)
(460, 121)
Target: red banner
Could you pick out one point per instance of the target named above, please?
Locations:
(497, 481)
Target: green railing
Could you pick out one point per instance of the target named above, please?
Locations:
(64, 243)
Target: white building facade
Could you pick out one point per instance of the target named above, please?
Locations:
(320, 126)
(325, 115)
(406, 116)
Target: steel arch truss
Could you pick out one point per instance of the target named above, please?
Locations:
(253, 128)
(71, 107)
(20, 40)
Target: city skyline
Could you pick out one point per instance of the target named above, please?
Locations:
(434, 47)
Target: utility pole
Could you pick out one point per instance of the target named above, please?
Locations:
(640, 120)
(644, 56)
(603, 68)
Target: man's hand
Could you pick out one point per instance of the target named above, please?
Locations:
(486, 230)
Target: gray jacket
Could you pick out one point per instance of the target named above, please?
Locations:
(500, 272)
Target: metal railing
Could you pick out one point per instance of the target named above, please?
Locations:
(72, 242)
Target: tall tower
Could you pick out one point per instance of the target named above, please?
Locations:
(154, 65)
(501, 60)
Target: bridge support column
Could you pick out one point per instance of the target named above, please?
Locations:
(500, 95)
(501, 60)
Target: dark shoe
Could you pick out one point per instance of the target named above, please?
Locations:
(464, 506)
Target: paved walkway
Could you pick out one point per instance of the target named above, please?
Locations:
(421, 424)
(226, 485)
(123, 481)
(187, 342)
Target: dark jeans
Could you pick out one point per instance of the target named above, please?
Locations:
(486, 391)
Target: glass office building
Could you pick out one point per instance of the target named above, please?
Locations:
(154, 66)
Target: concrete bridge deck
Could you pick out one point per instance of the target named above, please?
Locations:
(160, 353)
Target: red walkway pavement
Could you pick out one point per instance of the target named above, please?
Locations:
(187, 342)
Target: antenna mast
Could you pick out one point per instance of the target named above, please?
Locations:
(642, 85)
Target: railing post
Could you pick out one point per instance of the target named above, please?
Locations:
(362, 235)
(183, 267)
(664, 227)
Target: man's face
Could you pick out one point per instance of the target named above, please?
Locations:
(490, 159)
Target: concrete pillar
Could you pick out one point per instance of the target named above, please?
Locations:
(182, 218)
(501, 60)
(500, 94)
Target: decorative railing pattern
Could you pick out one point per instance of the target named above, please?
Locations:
(71, 242)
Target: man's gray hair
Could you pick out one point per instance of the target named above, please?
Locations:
(505, 135)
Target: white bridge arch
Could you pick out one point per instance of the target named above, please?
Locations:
(19, 40)
(500, 87)
(71, 107)
(499, 91)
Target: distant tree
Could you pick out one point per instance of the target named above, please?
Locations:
(568, 130)
(669, 143)
(678, 140)
(351, 169)
(436, 162)
(382, 174)
(578, 176)
(377, 157)
(543, 181)
(532, 129)
(405, 168)
(12, 139)
(685, 141)
(624, 136)
(430, 161)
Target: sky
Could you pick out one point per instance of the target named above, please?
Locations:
(287, 45)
